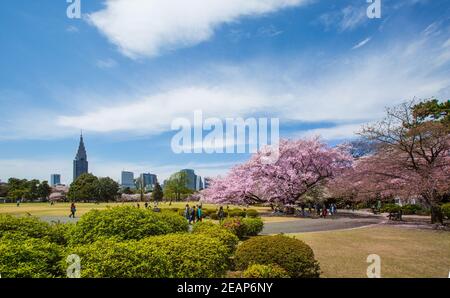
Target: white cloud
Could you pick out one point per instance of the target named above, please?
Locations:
(106, 63)
(341, 89)
(345, 19)
(362, 43)
(339, 132)
(147, 27)
(155, 113)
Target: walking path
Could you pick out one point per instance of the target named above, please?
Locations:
(339, 222)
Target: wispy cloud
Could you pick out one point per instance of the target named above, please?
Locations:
(146, 28)
(106, 63)
(362, 43)
(347, 18)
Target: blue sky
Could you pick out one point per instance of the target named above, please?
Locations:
(126, 69)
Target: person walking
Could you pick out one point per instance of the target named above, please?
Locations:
(73, 209)
(221, 214)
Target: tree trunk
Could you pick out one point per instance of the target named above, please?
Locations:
(436, 215)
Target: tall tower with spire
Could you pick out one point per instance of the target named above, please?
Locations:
(80, 163)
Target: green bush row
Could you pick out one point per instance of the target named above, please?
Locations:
(126, 223)
(167, 256)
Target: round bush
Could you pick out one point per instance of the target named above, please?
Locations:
(235, 225)
(29, 258)
(167, 256)
(126, 223)
(252, 213)
(293, 255)
(217, 231)
(236, 213)
(391, 208)
(265, 271)
(253, 226)
(446, 210)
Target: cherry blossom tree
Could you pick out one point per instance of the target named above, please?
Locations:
(412, 158)
(301, 166)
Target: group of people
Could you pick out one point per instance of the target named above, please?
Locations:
(326, 209)
(193, 214)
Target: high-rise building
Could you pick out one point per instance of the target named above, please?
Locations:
(194, 182)
(55, 179)
(148, 180)
(80, 163)
(127, 180)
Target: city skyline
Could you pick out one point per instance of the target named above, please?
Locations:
(326, 77)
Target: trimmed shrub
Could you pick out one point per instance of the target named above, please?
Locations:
(126, 223)
(391, 208)
(253, 226)
(167, 256)
(217, 231)
(29, 258)
(192, 255)
(293, 255)
(411, 209)
(108, 258)
(235, 225)
(236, 213)
(252, 213)
(30, 227)
(446, 210)
(265, 271)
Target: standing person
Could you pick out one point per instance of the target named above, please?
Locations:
(146, 205)
(193, 214)
(73, 209)
(187, 214)
(221, 214)
(199, 213)
(18, 202)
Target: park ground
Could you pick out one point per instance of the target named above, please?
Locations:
(341, 245)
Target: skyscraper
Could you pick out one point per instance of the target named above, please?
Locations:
(55, 179)
(127, 180)
(80, 163)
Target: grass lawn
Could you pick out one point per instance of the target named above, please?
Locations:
(63, 209)
(404, 252)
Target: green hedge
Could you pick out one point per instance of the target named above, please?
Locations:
(243, 227)
(236, 226)
(29, 258)
(391, 208)
(293, 255)
(252, 213)
(167, 256)
(253, 226)
(31, 227)
(217, 231)
(126, 223)
(265, 271)
(446, 210)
